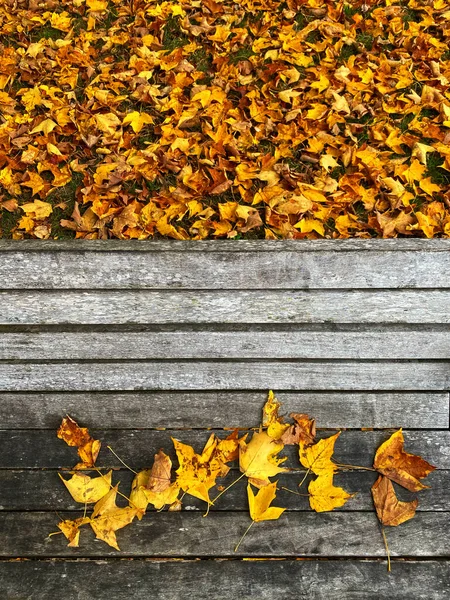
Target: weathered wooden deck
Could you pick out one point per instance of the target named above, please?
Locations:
(131, 338)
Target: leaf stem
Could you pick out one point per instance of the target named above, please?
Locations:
(245, 533)
(296, 493)
(228, 487)
(383, 533)
(341, 465)
(124, 463)
(304, 478)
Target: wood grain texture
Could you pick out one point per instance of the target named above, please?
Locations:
(43, 490)
(202, 409)
(221, 580)
(137, 447)
(159, 307)
(117, 345)
(215, 375)
(232, 266)
(189, 534)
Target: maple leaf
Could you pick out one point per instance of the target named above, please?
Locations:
(73, 435)
(403, 468)
(197, 473)
(317, 458)
(36, 209)
(86, 489)
(303, 431)
(271, 419)
(107, 518)
(324, 496)
(159, 479)
(258, 460)
(71, 530)
(390, 510)
(259, 505)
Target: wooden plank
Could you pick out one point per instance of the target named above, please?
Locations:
(304, 344)
(214, 375)
(232, 266)
(137, 447)
(217, 580)
(189, 534)
(43, 490)
(158, 307)
(126, 410)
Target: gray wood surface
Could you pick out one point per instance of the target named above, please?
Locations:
(206, 307)
(129, 338)
(189, 534)
(225, 579)
(226, 266)
(42, 490)
(215, 375)
(117, 345)
(202, 409)
(137, 447)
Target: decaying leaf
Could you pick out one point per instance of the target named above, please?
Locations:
(71, 530)
(302, 432)
(390, 510)
(258, 458)
(197, 473)
(271, 419)
(87, 489)
(317, 458)
(73, 435)
(259, 505)
(403, 468)
(159, 479)
(324, 495)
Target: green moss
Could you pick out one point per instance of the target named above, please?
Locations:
(243, 53)
(173, 35)
(8, 221)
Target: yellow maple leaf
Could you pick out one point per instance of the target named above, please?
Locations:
(324, 496)
(71, 530)
(259, 505)
(428, 186)
(137, 120)
(86, 489)
(37, 184)
(61, 21)
(258, 460)
(317, 457)
(37, 209)
(46, 126)
(108, 123)
(96, 5)
(107, 518)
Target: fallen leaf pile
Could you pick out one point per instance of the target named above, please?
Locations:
(194, 119)
(258, 455)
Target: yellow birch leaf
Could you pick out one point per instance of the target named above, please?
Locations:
(259, 505)
(85, 489)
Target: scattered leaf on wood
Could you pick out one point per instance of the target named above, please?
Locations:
(317, 457)
(403, 468)
(259, 505)
(258, 458)
(390, 510)
(324, 495)
(87, 489)
(302, 431)
(74, 435)
(107, 518)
